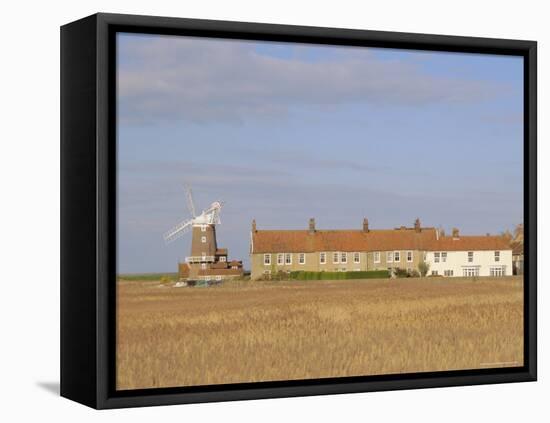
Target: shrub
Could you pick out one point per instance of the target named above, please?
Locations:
(164, 280)
(423, 268)
(400, 273)
(414, 274)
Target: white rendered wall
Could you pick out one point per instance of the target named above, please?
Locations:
(457, 260)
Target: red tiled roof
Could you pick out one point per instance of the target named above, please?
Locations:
(302, 241)
(290, 241)
(470, 243)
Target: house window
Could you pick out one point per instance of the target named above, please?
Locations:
(497, 255)
(436, 257)
(344, 258)
(223, 258)
(409, 256)
(302, 258)
(470, 271)
(434, 272)
(322, 258)
(288, 258)
(203, 228)
(470, 256)
(335, 257)
(280, 258)
(448, 273)
(356, 258)
(377, 256)
(396, 257)
(218, 278)
(389, 257)
(203, 265)
(497, 271)
(267, 259)
(203, 239)
(443, 257)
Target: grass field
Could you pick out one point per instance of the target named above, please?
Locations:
(262, 331)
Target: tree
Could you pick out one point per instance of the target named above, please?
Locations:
(423, 268)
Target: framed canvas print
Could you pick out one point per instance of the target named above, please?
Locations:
(257, 211)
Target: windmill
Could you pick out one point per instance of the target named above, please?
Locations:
(206, 261)
(209, 216)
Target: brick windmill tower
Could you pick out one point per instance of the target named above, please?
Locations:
(206, 262)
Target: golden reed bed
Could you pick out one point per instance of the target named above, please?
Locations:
(258, 331)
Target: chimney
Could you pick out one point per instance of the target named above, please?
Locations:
(417, 225)
(365, 225)
(311, 225)
(455, 233)
(254, 225)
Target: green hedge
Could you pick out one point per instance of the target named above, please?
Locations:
(316, 276)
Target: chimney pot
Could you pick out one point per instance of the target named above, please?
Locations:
(365, 225)
(254, 225)
(417, 227)
(311, 225)
(455, 233)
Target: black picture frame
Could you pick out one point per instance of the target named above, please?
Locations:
(88, 200)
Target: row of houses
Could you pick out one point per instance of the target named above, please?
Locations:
(367, 249)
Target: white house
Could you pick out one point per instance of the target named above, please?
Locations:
(469, 256)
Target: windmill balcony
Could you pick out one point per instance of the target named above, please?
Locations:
(199, 259)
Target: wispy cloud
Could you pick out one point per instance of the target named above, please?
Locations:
(203, 80)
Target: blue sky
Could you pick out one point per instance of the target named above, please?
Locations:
(284, 132)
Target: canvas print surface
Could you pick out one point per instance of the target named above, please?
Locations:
(296, 211)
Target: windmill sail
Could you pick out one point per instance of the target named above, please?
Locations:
(178, 230)
(190, 202)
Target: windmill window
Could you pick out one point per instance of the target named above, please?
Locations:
(203, 228)
(203, 239)
(203, 265)
(223, 258)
